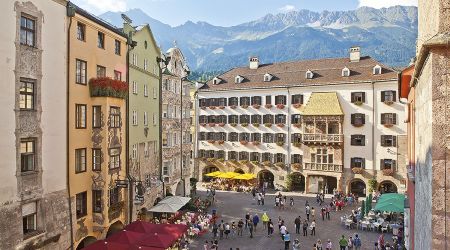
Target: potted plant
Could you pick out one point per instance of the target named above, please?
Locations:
(280, 125)
(297, 105)
(280, 106)
(280, 143)
(357, 170)
(256, 143)
(297, 144)
(359, 103)
(211, 141)
(233, 124)
(221, 107)
(297, 125)
(212, 124)
(233, 106)
(221, 124)
(244, 106)
(388, 172)
(243, 142)
(256, 106)
(268, 124)
(268, 106)
(220, 142)
(255, 125)
(279, 164)
(297, 166)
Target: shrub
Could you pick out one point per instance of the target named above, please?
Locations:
(244, 124)
(255, 125)
(297, 105)
(268, 124)
(256, 106)
(233, 124)
(244, 142)
(280, 143)
(280, 106)
(281, 125)
(268, 106)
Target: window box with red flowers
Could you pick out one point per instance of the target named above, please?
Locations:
(203, 107)
(388, 125)
(221, 107)
(256, 106)
(203, 124)
(244, 124)
(244, 142)
(221, 124)
(280, 143)
(280, 125)
(256, 143)
(233, 106)
(279, 164)
(388, 172)
(211, 141)
(233, 124)
(212, 107)
(244, 106)
(220, 142)
(357, 170)
(296, 166)
(297, 125)
(297, 105)
(268, 124)
(212, 124)
(268, 106)
(108, 87)
(280, 106)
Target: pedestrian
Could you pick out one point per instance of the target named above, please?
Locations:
(265, 220)
(262, 199)
(277, 201)
(258, 198)
(319, 245)
(381, 241)
(291, 202)
(255, 222)
(322, 212)
(297, 223)
(350, 243)
(233, 229)
(205, 246)
(287, 240)
(329, 245)
(343, 243)
(296, 245)
(216, 243)
(282, 204)
(250, 228)
(313, 228)
(308, 211)
(214, 230)
(240, 226)
(221, 229)
(313, 213)
(357, 242)
(247, 218)
(305, 228)
(283, 230)
(327, 212)
(227, 230)
(254, 192)
(269, 228)
(280, 222)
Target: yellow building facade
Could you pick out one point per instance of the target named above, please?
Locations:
(96, 127)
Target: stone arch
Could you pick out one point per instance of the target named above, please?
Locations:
(298, 182)
(207, 170)
(266, 179)
(318, 183)
(387, 187)
(358, 187)
(114, 228)
(86, 242)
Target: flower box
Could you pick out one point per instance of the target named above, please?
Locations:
(244, 142)
(268, 125)
(281, 125)
(221, 107)
(266, 163)
(243, 161)
(211, 141)
(279, 164)
(297, 144)
(297, 105)
(244, 124)
(357, 170)
(280, 106)
(297, 125)
(256, 106)
(256, 143)
(268, 106)
(212, 107)
(212, 124)
(388, 172)
(280, 143)
(221, 124)
(233, 106)
(108, 87)
(255, 163)
(233, 124)
(244, 106)
(388, 125)
(296, 166)
(359, 103)
(388, 102)
(255, 125)
(203, 124)
(220, 142)
(203, 107)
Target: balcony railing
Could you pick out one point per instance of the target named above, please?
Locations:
(323, 138)
(326, 167)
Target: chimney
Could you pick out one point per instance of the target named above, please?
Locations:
(355, 54)
(254, 62)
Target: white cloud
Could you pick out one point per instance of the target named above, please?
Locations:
(100, 6)
(287, 8)
(386, 3)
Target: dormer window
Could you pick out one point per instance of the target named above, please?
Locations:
(216, 80)
(268, 77)
(309, 74)
(377, 70)
(345, 72)
(238, 79)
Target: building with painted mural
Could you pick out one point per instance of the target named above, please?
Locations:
(143, 108)
(97, 127)
(333, 124)
(176, 108)
(34, 210)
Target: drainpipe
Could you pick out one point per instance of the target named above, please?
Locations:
(288, 160)
(70, 13)
(127, 134)
(181, 136)
(159, 61)
(375, 116)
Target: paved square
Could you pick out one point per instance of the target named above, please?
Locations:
(233, 206)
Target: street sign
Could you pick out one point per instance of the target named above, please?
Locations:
(121, 183)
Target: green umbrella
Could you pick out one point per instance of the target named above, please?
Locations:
(391, 206)
(363, 208)
(391, 196)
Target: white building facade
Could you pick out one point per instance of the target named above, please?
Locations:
(334, 124)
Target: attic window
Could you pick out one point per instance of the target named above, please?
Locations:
(309, 74)
(238, 79)
(267, 77)
(345, 72)
(377, 70)
(216, 80)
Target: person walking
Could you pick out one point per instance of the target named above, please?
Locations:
(265, 220)
(215, 228)
(329, 245)
(205, 246)
(283, 230)
(287, 240)
(296, 245)
(322, 212)
(227, 230)
(262, 199)
(357, 242)
(313, 228)
(247, 218)
(305, 228)
(233, 229)
(350, 243)
(297, 223)
(291, 202)
(269, 228)
(319, 245)
(327, 212)
(277, 201)
(240, 226)
(313, 213)
(343, 243)
(255, 221)
(221, 229)
(308, 211)
(250, 228)
(259, 198)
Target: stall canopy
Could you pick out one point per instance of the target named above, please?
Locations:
(227, 175)
(175, 230)
(214, 174)
(391, 203)
(106, 245)
(166, 208)
(175, 200)
(245, 177)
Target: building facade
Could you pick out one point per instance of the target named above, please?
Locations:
(176, 136)
(424, 88)
(332, 124)
(97, 127)
(34, 210)
(143, 108)
(195, 173)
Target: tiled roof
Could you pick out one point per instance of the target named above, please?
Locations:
(322, 104)
(326, 71)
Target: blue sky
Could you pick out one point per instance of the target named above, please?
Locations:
(226, 12)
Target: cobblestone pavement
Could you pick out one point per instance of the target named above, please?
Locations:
(232, 206)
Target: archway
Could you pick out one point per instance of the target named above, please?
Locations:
(265, 179)
(239, 170)
(114, 228)
(208, 170)
(387, 187)
(358, 187)
(179, 191)
(86, 242)
(297, 182)
(322, 183)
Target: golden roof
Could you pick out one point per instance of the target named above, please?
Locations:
(323, 104)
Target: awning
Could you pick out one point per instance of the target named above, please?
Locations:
(214, 174)
(166, 208)
(175, 200)
(176, 230)
(106, 245)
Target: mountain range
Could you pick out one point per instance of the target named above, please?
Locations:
(388, 35)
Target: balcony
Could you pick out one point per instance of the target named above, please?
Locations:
(326, 167)
(108, 87)
(323, 138)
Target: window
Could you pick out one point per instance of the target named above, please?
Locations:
(309, 74)
(232, 156)
(297, 159)
(266, 157)
(243, 156)
(280, 99)
(135, 118)
(388, 119)
(256, 137)
(135, 60)
(256, 119)
(145, 90)
(96, 159)
(233, 101)
(388, 96)
(295, 119)
(256, 100)
(267, 138)
(96, 116)
(387, 164)
(27, 155)
(244, 137)
(211, 119)
(358, 140)
(166, 167)
(279, 158)
(245, 101)
(154, 119)
(358, 97)
(388, 141)
(27, 31)
(268, 77)
(219, 118)
(81, 75)
(268, 118)
(97, 201)
(357, 162)
(220, 155)
(322, 156)
(254, 156)
(101, 40)
(117, 46)
(238, 79)
(377, 70)
(297, 99)
(202, 136)
(114, 157)
(114, 196)
(155, 93)
(81, 204)
(280, 137)
(345, 72)
(296, 138)
(244, 119)
(232, 119)
(221, 136)
(81, 31)
(117, 75)
(26, 101)
(358, 119)
(134, 150)
(280, 119)
(80, 116)
(145, 118)
(80, 160)
(145, 64)
(101, 71)
(114, 116)
(29, 217)
(222, 102)
(135, 88)
(233, 136)
(268, 99)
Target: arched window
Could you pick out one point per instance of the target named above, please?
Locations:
(345, 72)
(377, 70)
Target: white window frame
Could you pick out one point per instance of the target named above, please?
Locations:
(154, 119)
(145, 90)
(134, 152)
(135, 118)
(145, 118)
(135, 87)
(145, 64)
(155, 93)
(377, 70)
(345, 72)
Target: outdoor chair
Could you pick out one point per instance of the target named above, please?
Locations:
(364, 226)
(384, 228)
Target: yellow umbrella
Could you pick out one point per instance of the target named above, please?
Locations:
(245, 177)
(227, 175)
(214, 174)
